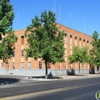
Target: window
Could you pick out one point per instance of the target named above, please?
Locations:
(79, 41)
(40, 64)
(22, 52)
(65, 52)
(48, 65)
(87, 43)
(75, 65)
(13, 65)
(84, 42)
(75, 40)
(70, 39)
(65, 64)
(1, 65)
(29, 65)
(13, 53)
(65, 38)
(22, 65)
(70, 47)
(59, 64)
(65, 34)
(71, 51)
(65, 45)
(7, 63)
(70, 66)
(22, 39)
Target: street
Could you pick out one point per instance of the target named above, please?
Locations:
(82, 89)
(81, 93)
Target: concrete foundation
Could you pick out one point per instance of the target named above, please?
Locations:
(41, 72)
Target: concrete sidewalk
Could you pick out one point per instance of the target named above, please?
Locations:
(71, 77)
(67, 77)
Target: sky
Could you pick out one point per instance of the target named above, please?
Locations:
(80, 15)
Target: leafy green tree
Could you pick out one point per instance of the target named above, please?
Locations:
(45, 40)
(79, 55)
(91, 63)
(96, 48)
(7, 37)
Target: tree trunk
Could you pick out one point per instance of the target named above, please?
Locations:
(7, 64)
(46, 70)
(79, 69)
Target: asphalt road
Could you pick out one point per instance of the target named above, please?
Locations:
(81, 93)
(82, 89)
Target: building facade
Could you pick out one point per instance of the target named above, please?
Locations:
(19, 65)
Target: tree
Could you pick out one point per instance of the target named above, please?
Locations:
(45, 40)
(7, 37)
(79, 55)
(96, 48)
(91, 63)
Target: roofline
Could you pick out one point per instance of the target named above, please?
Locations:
(74, 30)
(19, 30)
(63, 26)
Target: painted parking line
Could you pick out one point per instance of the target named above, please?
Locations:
(17, 97)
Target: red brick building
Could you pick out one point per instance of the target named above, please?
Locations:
(19, 65)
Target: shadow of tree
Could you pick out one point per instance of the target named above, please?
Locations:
(8, 80)
(50, 76)
(92, 70)
(70, 71)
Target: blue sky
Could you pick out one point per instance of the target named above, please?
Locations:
(81, 15)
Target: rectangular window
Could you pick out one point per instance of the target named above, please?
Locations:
(22, 52)
(1, 65)
(29, 65)
(13, 65)
(70, 47)
(71, 52)
(84, 65)
(70, 39)
(75, 65)
(40, 64)
(22, 39)
(65, 38)
(22, 65)
(75, 40)
(59, 64)
(65, 52)
(65, 45)
(87, 43)
(80, 42)
(65, 34)
(84, 42)
(70, 66)
(49, 65)
(13, 53)
(65, 64)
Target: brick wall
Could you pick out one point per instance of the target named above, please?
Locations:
(72, 38)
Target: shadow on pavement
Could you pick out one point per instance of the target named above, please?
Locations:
(5, 81)
(50, 76)
(43, 77)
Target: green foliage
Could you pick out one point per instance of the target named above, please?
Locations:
(45, 40)
(91, 60)
(6, 15)
(6, 34)
(79, 55)
(95, 52)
